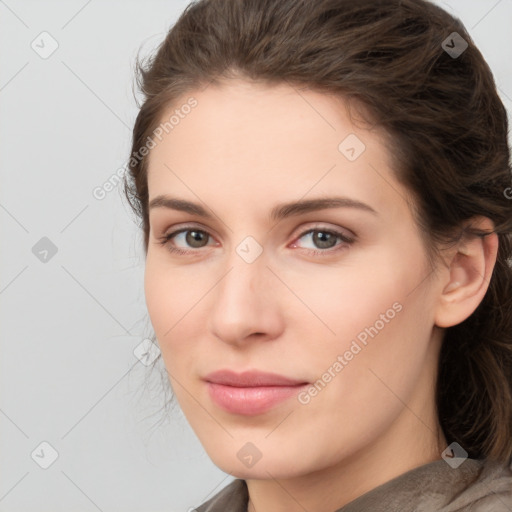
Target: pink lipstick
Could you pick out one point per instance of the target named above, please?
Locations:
(252, 392)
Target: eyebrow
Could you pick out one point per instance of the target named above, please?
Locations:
(279, 212)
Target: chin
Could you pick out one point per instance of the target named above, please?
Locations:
(279, 467)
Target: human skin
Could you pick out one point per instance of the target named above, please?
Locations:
(244, 149)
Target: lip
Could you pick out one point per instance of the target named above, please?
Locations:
(251, 378)
(251, 392)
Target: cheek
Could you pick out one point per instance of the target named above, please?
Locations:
(333, 305)
(379, 315)
(352, 298)
(165, 297)
(160, 297)
(174, 298)
(382, 316)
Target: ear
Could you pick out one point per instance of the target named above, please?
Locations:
(470, 267)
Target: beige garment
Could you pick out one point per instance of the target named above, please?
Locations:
(474, 486)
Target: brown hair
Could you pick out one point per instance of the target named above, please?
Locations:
(443, 113)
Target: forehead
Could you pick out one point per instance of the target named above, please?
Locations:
(250, 140)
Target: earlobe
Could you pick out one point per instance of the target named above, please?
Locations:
(470, 271)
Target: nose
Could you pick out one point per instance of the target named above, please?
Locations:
(246, 303)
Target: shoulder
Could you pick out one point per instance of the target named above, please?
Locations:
(490, 490)
(232, 498)
(474, 485)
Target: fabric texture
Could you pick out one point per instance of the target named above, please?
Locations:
(474, 486)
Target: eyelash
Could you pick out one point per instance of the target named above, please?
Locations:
(315, 252)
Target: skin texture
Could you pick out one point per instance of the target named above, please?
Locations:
(245, 148)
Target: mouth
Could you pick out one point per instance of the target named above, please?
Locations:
(250, 393)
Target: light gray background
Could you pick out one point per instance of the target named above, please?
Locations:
(70, 325)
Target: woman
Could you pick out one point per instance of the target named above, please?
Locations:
(324, 191)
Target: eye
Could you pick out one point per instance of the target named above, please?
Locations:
(324, 240)
(193, 236)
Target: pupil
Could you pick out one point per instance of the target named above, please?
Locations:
(194, 236)
(323, 238)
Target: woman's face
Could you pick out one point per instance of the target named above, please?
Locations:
(340, 298)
